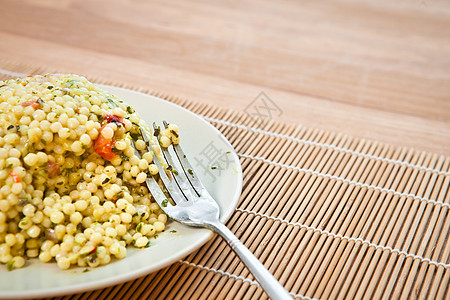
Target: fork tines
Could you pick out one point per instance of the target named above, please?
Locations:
(181, 186)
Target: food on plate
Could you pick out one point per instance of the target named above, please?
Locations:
(71, 186)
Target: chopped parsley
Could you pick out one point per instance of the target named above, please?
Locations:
(171, 169)
(157, 129)
(134, 132)
(112, 102)
(10, 265)
(164, 203)
(130, 110)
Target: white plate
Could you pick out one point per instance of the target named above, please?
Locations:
(202, 142)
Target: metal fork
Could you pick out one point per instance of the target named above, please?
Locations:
(193, 205)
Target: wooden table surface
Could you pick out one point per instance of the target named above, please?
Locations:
(379, 70)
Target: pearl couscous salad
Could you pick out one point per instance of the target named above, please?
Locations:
(71, 186)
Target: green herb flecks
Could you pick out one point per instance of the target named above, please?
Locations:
(10, 265)
(135, 132)
(130, 110)
(139, 227)
(157, 129)
(164, 203)
(171, 169)
(112, 102)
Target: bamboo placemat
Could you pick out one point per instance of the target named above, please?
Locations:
(330, 215)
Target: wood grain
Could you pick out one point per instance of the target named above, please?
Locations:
(372, 69)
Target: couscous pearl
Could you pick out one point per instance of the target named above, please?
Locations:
(125, 217)
(164, 141)
(55, 127)
(76, 146)
(143, 164)
(116, 189)
(29, 210)
(76, 218)
(116, 161)
(148, 156)
(10, 239)
(173, 127)
(153, 169)
(85, 139)
(111, 232)
(63, 263)
(120, 145)
(96, 238)
(31, 159)
(159, 226)
(140, 145)
(68, 208)
(18, 262)
(141, 242)
(109, 194)
(73, 123)
(121, 229)
(122, 252)
(134, 171)
(141, 177)
(113, 126)
(64, 133)
(57, 217)
(33, 231)
(107, 133)
(42, 157)
(17, 188)
(134, 160)
(14, 153)
(45, 256)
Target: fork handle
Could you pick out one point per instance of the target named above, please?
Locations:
(271, 286)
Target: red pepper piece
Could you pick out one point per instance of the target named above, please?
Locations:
(113, 118)
(52, 169)
(104, 146)
(33, 103)
(14, 176)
